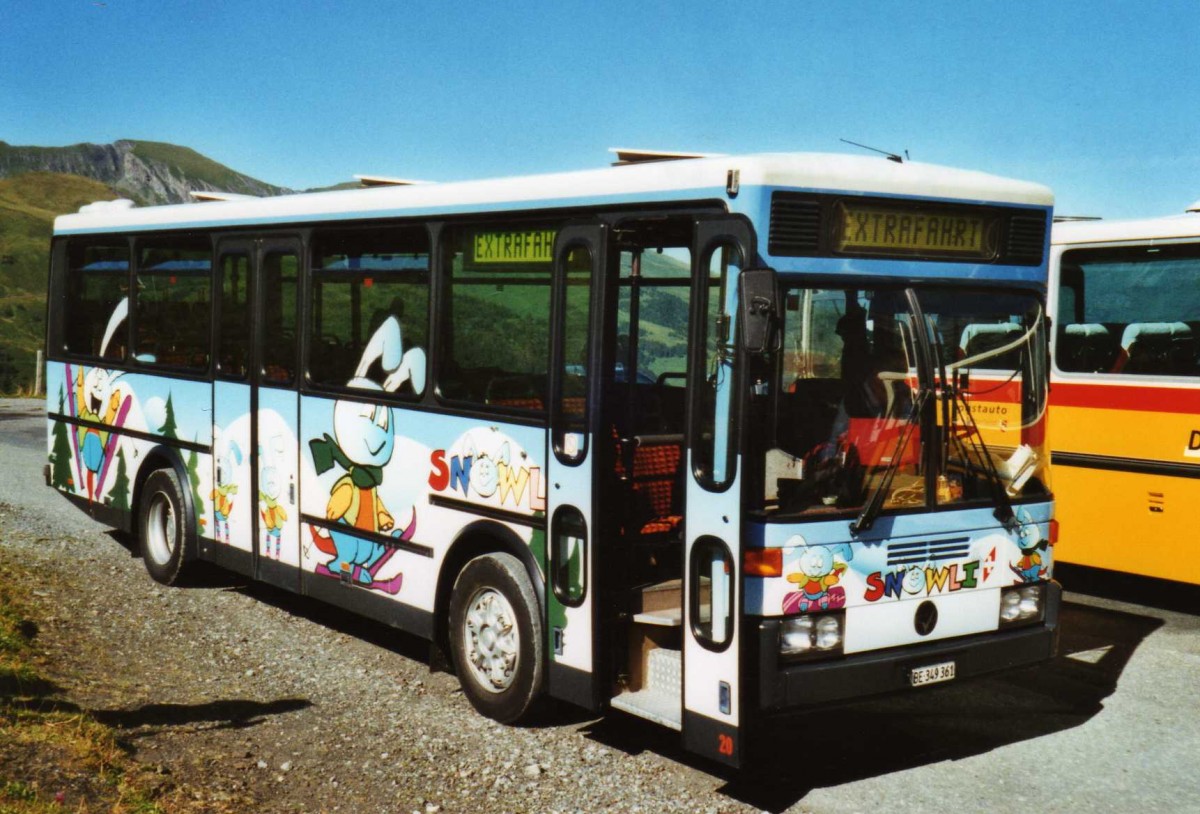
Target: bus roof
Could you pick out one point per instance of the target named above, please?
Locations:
(1168, 227)
(690, 179)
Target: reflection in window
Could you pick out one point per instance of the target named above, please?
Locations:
(570, 441)
(993, 346)
(233, 338)
(568, 556)
(713, 454)
(174, 309)
(498, 315)
(712, 598)
(848, 423)
(279, 278)
(370, 310)
(97, 299)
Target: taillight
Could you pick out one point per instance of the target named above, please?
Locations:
(763, 562)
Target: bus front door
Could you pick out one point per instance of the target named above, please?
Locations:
(574, 412)
(713, 597)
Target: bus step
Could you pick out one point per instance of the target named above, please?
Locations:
(660, 699)
(667, 617)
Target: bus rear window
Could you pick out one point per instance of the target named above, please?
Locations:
(97, 301)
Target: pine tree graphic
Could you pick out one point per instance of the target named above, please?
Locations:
(61, 474)
(193, 470)
(118, 498)
(169, 429)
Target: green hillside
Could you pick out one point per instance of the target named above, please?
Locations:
(28, 206)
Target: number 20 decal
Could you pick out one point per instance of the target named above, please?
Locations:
(725, 745)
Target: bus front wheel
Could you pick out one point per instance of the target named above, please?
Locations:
(496, 637)
(163, 527)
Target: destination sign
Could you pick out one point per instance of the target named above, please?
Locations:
(874, 229)
(507, 248)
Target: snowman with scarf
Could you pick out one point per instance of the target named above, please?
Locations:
(362, 446)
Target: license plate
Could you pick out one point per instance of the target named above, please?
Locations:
(931, 674)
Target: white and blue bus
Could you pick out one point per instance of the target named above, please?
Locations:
(708, 440)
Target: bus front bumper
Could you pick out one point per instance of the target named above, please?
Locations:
(784, 686)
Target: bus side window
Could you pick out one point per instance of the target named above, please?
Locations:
(173, 303)
(370, 309)
(496, 345)
(97, 291)
(1128, 311)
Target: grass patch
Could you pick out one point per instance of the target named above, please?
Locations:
(55, 757)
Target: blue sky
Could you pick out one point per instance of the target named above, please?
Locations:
(1100, 100)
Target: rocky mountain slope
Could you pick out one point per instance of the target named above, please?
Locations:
(148, 172)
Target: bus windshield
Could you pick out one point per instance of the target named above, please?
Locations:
(905, 398)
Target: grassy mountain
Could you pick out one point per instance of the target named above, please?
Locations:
(28, 206)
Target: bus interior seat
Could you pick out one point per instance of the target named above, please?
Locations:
(655, 485)
(980, 338)
(1086, 347)
(520, 391)
(1164, 348)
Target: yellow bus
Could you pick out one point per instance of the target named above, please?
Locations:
(1125, 396)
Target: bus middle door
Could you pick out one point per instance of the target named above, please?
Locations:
(579, 268)
(276, 413)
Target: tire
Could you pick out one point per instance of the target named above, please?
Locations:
(496, 638)
(166, 532)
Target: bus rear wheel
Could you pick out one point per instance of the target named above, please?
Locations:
(163, 527)
(496, 637)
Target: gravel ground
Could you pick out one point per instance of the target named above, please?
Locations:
(263, 701)
(270, 702)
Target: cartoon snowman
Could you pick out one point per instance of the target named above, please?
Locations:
(821, 568)
(362, 445)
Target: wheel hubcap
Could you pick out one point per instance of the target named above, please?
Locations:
(160, 531)
(492, 640)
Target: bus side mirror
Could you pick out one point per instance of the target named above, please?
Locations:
(760, 310)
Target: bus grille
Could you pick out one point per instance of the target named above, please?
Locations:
(928, 551)
(1026, 239)
(795, 225)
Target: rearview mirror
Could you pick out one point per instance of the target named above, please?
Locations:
(759, 289)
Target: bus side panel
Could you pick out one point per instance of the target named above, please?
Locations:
(1126, 478)
(384, 534)
(103, 422)
(231, 535)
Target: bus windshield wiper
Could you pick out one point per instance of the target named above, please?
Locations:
(879, 494)
(982, 457)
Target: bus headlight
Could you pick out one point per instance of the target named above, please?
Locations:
(1022, 603)
(816, 635)
(796, 636)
